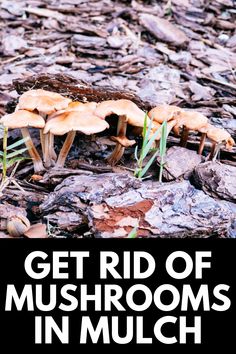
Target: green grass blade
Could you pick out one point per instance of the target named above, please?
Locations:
(145, 141)
(148, 146)
(14, 160)
(147, 166)
(133, 233)
(17, 143)
(163, 139)
(136, 152)
(15, 153)
(144, 128)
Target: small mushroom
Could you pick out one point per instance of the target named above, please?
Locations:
(17, 225)
(219, 137)
(70, 122)
(163, 112)
(128, 113)
(188, 120)
(23, 119)
(46, 103)
(79, 106)
(121, 140)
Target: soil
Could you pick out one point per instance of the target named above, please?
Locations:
(178, 52)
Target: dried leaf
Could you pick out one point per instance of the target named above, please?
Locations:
(37, 231)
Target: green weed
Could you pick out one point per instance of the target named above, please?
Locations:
(10, 156)
(147, 147)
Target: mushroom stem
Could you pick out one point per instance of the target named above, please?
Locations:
(37, 161)
(214, 151)
(118, 152)
(52, 153)
(46, 158)
(184, 137)
(47, 142)
(49, 153)
(176, 130)
(65, 149)
(42, 140)
(202, 143)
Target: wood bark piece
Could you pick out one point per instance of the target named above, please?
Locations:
(66, 220)
(67, 205)
(54, 176)
(112, 204)
(163, 29)
(168, 210)
(28, 200)
(86, 189)
(217, 180)
(179, 162)
(75, 89)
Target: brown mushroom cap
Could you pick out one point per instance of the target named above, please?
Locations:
(75, 106)
(219, 135)
(163, 113)
(191, 120)
(80, 106)
(21, 119)
(84, 122)
(45, 102)
(135, 116)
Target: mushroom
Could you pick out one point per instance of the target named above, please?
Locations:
(163, 112)
(80, 106)
(45, 102)
(23, 119)
(77, 106)
(194, 121)
(83, 121)
(219, 137)
(128, 113)
(121, 140)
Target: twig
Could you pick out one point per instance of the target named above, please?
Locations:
(232, 86)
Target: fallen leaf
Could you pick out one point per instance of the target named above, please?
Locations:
(37, 231)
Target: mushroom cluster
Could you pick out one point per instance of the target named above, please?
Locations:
(178, 118)
(54, 114)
